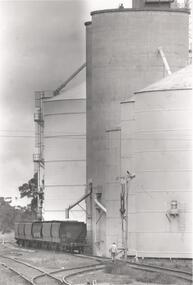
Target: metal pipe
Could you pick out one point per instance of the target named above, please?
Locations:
(100, 206)
(166, 65)
(80, 200)
(76, 203)
(57, 91)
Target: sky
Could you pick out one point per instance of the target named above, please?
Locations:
(41, 43)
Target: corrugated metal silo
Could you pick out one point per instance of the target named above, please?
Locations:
(124, 57)
(65, 152)
(159, 140)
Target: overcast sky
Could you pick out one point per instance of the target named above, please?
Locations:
(41, 44)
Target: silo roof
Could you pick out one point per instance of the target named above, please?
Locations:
(179, 80)
(75, 92)
(105, 11)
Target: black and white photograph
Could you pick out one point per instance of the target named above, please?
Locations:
(96, 142)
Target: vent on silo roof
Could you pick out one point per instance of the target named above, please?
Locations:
(152, 4)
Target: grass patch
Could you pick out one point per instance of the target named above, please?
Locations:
(117, 268)
(179, 264)
(120, 268)
(158, 278)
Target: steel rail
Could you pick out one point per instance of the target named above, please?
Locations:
(59, 281)
(86, 268)
(62, 270)
(18, 273)
(44, 273)
(146, 267)
(21, 262)
(95, 268)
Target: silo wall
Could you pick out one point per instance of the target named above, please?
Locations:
(124, 57)
(111, 192)
(163, 173)
(156, 145)
(65, 156)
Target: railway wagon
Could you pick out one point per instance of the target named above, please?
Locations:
(58, 235)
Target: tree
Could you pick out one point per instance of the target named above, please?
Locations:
(30, 190)
(9, 215)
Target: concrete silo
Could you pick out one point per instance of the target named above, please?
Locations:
(65, 152)
(122, 57)
(157, 147)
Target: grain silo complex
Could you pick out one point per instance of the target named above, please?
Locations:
(127, 50)
(121, 141)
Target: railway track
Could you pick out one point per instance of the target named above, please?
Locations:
(70, 272)
(16, 272)
(187, 276)
(34, 275)
(62, 276)
(19, 267)
(75, 272)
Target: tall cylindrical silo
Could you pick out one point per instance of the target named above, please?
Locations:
(160, 198)
(65, 152)
(124, 57)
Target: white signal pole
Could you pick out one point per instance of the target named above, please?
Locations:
(128, 178)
